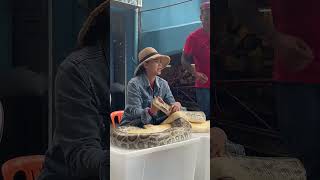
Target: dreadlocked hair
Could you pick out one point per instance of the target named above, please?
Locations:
(96, 26)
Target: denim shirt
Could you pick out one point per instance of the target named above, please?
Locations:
(139, 99)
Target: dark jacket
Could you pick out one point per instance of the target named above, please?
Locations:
(80, 148)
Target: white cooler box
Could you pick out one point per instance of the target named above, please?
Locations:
(203, 158)
(169, 162)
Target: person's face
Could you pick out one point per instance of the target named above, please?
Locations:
(205, 19)
(153, 67)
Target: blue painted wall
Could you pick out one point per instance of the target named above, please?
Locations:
(166, 28)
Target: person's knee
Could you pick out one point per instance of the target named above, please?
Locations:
(218, 141)
(217, 133)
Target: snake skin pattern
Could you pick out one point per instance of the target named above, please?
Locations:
(180, 130)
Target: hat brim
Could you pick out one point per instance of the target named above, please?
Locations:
(165, 60)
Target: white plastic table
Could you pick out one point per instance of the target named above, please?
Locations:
(203, 157)
(175, 161)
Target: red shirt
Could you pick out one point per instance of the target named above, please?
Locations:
(198, 46)
(301, 19)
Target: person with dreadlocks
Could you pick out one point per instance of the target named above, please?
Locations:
(80, 142)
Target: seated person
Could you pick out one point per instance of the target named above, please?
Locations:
(80, 147)
(144, 87)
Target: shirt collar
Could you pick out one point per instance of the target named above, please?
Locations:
(146, 81)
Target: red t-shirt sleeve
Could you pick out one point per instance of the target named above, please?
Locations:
(188, 46)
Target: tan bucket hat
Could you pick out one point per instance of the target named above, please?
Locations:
(148, 54)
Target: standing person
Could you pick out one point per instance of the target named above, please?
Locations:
(79, 150)
(144, 87)
(197, 50)
(296, 39)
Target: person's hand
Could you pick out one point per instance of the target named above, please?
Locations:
(175, 107)
(294, 53)
(201, 77)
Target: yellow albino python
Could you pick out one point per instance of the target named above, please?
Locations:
(175, 128)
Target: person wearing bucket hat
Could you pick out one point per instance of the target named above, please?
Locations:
(144, 87)
(79, 149)
(197, 50)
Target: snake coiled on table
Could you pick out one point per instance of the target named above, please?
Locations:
(177, 127)
(180, 130)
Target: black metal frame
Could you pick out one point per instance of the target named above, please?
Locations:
(1, 120)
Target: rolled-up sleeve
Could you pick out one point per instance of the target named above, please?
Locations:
(77, 126)
(134, 108)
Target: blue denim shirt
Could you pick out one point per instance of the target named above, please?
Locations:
(139, 99)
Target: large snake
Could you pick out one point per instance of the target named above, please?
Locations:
(175, 128)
